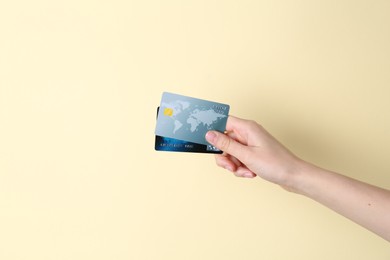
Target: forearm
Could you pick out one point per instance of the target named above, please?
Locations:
(364, 204)
(250, 150)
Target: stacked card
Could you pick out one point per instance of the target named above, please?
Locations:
(182, 123)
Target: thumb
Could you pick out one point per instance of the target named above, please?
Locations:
(228, 145)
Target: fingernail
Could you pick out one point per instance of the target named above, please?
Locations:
(210, 137)
(248, 175)
(228, 168)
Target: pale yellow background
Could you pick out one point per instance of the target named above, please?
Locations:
(79, 85)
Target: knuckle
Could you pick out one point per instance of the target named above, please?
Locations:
(224, 143)
(252, 125)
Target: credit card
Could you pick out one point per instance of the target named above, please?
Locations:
(174, 145)
(188, 119)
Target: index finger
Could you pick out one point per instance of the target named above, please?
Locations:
(235, 123)
(237, 129)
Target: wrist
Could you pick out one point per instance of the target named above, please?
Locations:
(297, 176)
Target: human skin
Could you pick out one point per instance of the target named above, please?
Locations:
(250, 151)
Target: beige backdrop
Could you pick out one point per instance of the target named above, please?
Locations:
(79, 85)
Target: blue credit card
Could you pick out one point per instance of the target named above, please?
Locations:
(188, 119)
(174, 145)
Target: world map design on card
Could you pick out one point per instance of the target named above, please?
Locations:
(189, 119)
